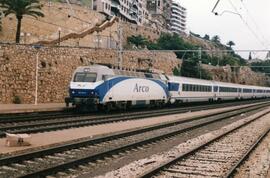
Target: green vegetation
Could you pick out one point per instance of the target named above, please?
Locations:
(192, 68)
(262, 66)
(191, 59)
(230, 44)
(216, 39)
(20, 8)
(17, 100)
(206, 37)
(86, 2)
(139, 41)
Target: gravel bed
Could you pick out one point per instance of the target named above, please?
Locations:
(59, 158)
(136, 168)
(258, 163)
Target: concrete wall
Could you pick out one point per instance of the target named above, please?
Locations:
(56, 65)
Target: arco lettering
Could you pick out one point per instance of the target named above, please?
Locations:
(140, 89)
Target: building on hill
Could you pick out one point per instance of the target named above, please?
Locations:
(168, 14)
(178, 18)
(160, 12)
(133, 11)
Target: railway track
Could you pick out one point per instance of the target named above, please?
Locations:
(51, 160)
(52, 123)
(219, 157)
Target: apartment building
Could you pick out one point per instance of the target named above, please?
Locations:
(178, 18)
(133, 11)
(156, 11)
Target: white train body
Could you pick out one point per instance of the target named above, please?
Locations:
(189, 89)
(102, 86)
(113, 87)
(192, 90)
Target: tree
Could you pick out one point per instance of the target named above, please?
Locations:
(216, 39)
(206, 37)
(192, 68)
(137, 40)
(249, 56)
(21, 8)
(231, 43)
(176, 71)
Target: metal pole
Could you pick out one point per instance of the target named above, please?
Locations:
(36, 90)
(120, 47)
(98, 39)
(59, 36)
(200, 53)
(200, 62)
(213, 10)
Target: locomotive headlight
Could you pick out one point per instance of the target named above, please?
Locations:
(73, 92)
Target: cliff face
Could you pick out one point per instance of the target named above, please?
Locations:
(241, 75)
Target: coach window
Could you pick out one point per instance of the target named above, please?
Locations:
(196, 88)
(186, 87)
(193, 88)
(147, 75)
(204, 88)
(189, 87)
(85, 77)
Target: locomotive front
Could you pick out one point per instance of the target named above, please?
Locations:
(82, 89)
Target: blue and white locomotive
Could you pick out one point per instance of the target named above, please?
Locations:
(101, 87)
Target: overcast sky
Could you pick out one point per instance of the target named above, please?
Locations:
(229, 26)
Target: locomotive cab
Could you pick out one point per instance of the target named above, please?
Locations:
(82, 89)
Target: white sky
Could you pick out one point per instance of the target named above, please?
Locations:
(229, 26)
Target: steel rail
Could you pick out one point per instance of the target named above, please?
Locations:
(159, 168)
(63, 147)
(56, 168)
(49, 115)
(65, 124)
(233, 170)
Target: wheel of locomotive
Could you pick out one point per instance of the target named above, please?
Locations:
(123, 106)
(108, 107)
(129, 105)
(81, 108)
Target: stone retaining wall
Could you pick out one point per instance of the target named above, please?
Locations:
(56, 65)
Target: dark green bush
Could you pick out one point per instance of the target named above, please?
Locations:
(17, 100)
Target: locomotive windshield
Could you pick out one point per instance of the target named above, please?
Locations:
(85, 77)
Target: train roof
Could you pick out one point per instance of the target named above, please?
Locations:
(211, 82)
(190, 80)
(146, 74)
(119, 72)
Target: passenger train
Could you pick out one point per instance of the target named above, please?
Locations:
(101, 87)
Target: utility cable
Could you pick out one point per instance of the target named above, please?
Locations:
(248, 26)
(254, 21)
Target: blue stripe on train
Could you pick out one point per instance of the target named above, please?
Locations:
(173, 86)
(107, 85)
